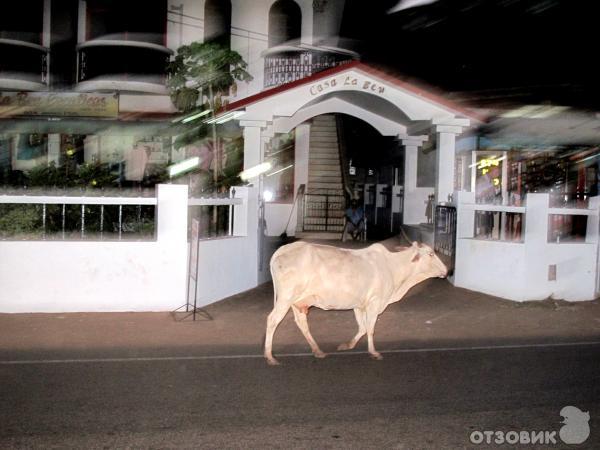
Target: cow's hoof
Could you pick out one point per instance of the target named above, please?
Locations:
(272, 362)
(376, 356)
(343, 347)
(320, 354)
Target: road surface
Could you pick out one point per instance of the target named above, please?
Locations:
(410, 400)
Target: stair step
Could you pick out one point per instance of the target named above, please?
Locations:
(329, 222)
(327, 130)
(323, 133)
(328, 175)
(329, 186)
(323, 139)
(324, 160)
(324, 151)
(331, 180)
(318, 167)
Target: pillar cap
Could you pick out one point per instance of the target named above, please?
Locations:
(412, 140)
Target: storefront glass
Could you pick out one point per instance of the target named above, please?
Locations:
(568, 174)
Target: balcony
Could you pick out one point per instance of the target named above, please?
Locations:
(122, 65)
(24, 66)
(284, 64)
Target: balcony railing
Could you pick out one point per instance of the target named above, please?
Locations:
(284, 64)
(24, 66)
(122, 65)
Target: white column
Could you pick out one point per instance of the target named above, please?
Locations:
(301, 155)
(445, 160)
(253, 156)
(447, 129)
(171, 237)
(415, 198)
(252, 143)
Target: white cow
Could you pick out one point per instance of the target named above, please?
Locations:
(365, 280)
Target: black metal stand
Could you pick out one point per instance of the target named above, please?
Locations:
(193, 312)
(192, 309)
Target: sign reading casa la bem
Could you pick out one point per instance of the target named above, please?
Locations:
(58, 104)
(347, 82)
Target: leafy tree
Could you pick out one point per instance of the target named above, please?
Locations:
(204, 72)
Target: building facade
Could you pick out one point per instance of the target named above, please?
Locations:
(83, 83)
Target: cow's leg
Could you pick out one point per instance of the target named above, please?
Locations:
(362, 329)
(273, 320)
(300, 317)
(371, 320)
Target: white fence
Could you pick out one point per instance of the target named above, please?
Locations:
(128, 275)
(534, 268)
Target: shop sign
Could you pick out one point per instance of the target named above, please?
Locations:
(72, 104)
(347, 82)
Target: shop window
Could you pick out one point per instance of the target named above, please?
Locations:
(489, 178)
(22, 20)
(568, 174)
(119, 20)
(566, 228)
(279, 180)
(499, 226)
(29, 150)
(285, 22)
(217, 22)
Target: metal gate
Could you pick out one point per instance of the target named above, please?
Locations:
(445, 235)
(323, 212)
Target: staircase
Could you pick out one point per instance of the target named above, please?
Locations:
(324, 200)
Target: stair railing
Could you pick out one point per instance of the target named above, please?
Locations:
(300, 209)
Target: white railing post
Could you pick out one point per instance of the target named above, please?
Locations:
(240, 212)
(593, 225)
(171, 213)
(465, 218)
(536, 222)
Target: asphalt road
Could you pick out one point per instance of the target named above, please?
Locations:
(429, 399)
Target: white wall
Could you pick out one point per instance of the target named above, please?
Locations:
(276, 216)
(226, 267)
(519, 271)
(44, 276)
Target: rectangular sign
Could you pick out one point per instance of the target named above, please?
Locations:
(73, 104)
(194, 248)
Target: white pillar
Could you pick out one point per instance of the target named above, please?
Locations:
(301, 156)
(252, 143)
(253, 156)
(445, 160)
(447, 129)
(171, 236)
(415, 198)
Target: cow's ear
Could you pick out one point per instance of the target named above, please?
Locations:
(415, 258)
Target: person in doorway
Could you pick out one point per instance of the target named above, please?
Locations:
(355, 221)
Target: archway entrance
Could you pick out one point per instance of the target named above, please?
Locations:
(404, 117)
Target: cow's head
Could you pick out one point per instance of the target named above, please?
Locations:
(427, 261)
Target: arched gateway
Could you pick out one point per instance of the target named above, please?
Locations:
(391, 106)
